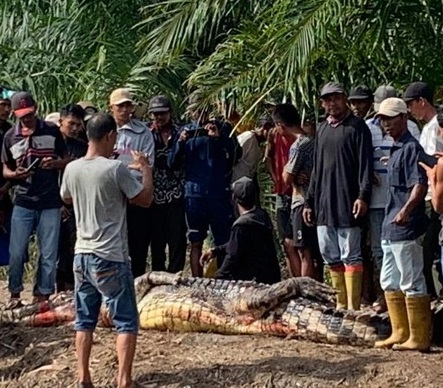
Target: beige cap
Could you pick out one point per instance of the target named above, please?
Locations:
(54, 118)
(119, 96)
(86, 104)
(392, 107)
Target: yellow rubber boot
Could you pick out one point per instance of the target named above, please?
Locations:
(395, 300)
(419, 316)
(353, 280)
(338, 283)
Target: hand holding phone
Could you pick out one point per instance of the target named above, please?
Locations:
(33, 166)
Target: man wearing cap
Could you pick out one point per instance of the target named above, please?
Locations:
(207, 153)
(133, 135)
(339, 192)
(5, 199)
(33, 154)
(90, 109)
(361, 99)
(420, 101)
(402, 232)
(250, 253)
(168, 208)
(381, 145)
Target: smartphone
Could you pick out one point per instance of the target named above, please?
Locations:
(33, 166)
(429, 160)
(196, 132)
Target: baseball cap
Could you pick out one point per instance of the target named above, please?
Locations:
(89, 108)
(382, 93)
(119, 96)
(159, 104)
(360, 92)
(22, 104)
(392, 106)
(416, 90)
(53, 117)
(332, 88)
(243, 191)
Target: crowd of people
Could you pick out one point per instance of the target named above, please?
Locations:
(360, 192)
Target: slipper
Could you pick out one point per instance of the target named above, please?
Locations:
(14, 303)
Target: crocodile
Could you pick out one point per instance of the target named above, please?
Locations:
(296, 308)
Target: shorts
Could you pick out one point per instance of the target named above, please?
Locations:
(303, 235)
(283, 213)
(97, 279)
(204, 213)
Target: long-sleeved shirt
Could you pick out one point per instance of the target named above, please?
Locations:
(207, 160)
(342, 171)
(250, 253)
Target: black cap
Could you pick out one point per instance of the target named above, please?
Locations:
(416, 90)
(243, 190)
(159, 104)
(360, 92)
(332, 88)
(22, 103)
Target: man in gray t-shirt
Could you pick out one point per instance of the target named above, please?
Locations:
(99, 189)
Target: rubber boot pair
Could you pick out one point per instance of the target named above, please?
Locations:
(410, 321)
(348, 286)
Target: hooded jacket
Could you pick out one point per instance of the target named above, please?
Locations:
(250, 253)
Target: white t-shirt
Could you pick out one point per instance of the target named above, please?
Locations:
(381, 145)
(251, 156)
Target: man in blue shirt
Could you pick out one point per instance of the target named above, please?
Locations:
(403, 228)
(208, 154)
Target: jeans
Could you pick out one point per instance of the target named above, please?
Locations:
(97, 279)
(376, 217)
(403, 267)
(47, 225)
(340, 246)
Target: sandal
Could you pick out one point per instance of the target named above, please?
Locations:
(14, 303)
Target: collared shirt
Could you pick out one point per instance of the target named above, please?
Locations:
(381, 146)
(134, 136)
(41, 190)
(404, 173)
(168, 183)
(335, 122)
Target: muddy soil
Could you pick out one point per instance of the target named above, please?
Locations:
(45, 357)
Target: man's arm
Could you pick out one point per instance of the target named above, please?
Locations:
(65, 193)
(365, 163)
(138, 194)
(270, 154)
(417, 196)
(176, 156)
(435, 176)
(229, 268)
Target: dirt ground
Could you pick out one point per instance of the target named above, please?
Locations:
(45, 357)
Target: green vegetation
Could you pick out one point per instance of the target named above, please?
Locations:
(64, 50)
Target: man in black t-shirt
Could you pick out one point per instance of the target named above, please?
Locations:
(33, 153)
(71, 125)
